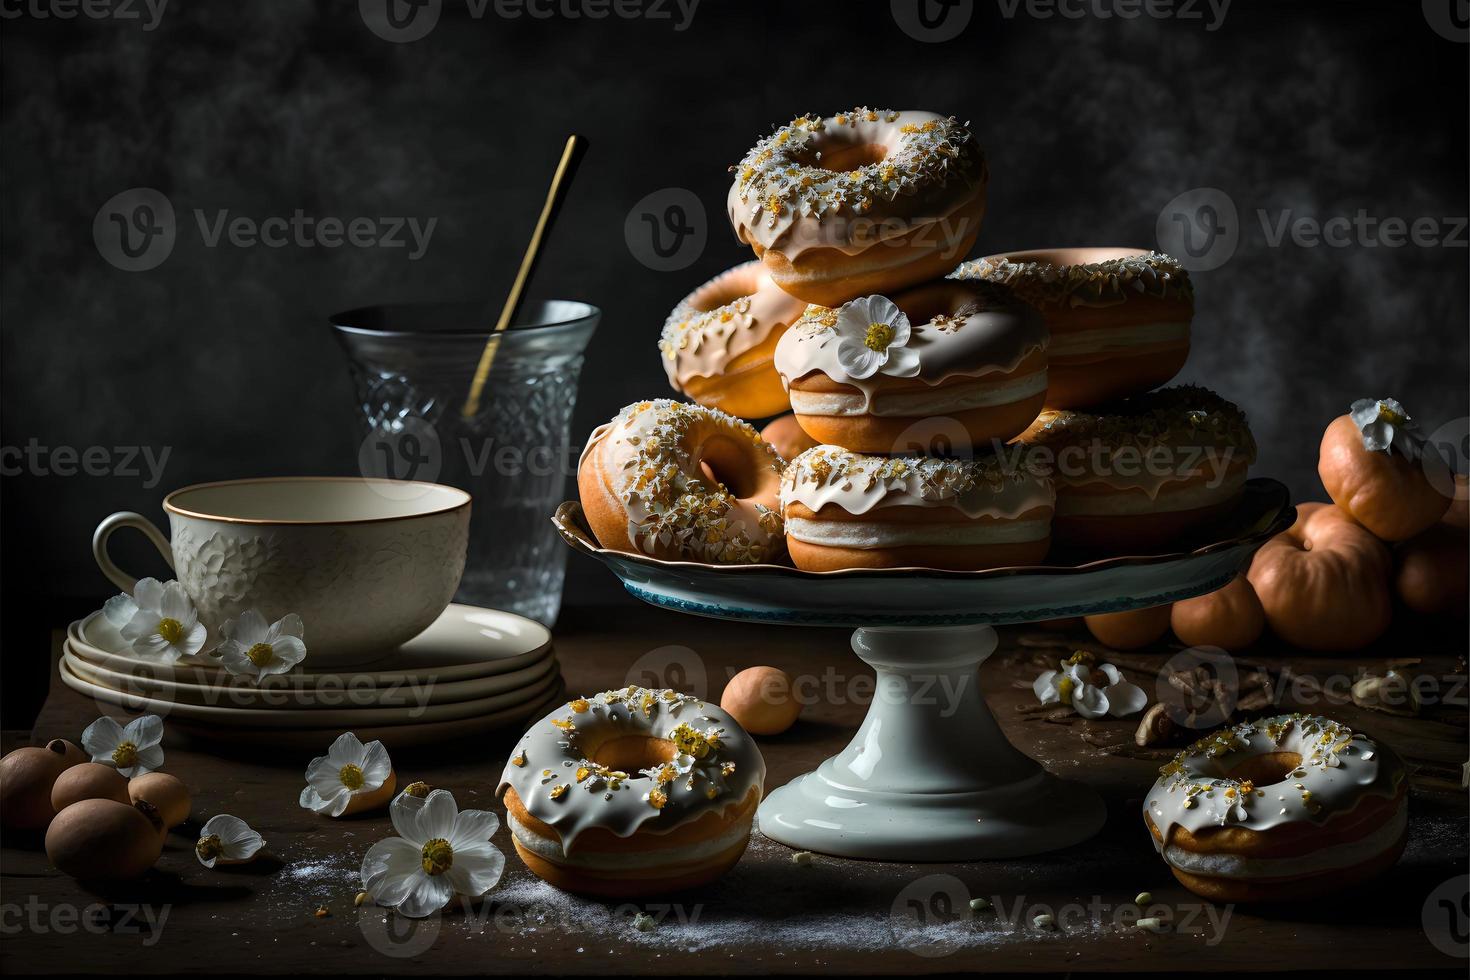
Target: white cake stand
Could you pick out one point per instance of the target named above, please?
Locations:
(929, 775)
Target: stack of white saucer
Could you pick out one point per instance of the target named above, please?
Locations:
(473, 670)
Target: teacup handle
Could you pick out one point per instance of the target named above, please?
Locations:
(114, 522)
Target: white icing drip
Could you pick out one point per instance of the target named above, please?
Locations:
(549, 757)
(860, 484)
(890, 534)
(1096, 340)
(633, 860)
(953, 397)
(1323, 859)
(979, 331)
(1156, 497)
(1338, 768)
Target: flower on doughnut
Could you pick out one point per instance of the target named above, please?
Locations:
(872, 338)
(1386, 426)
(1073, 687)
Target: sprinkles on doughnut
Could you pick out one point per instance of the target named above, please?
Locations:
(682, 482)
(845, 510)
(720, 341)
(1279, 809)
(1138, 472)
(861, 202)
(632, 792)
(1119, 317)
(965, 361)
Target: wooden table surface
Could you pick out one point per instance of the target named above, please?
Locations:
(769, 914)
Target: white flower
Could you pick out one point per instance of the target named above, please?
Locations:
(252, 648)
(226, 840)
(439, 852)
(1073, 686)
(872, 335)
(134, 749)
(162, 621)
(349, 769)
(1386, 426)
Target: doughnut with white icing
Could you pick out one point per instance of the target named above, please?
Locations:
(887, 374)
(845, 510)
(1137, 473)
(719, 342)
(1119, 317)
(1280, 809)
(632, 792)
(861, 202)
(683, 483)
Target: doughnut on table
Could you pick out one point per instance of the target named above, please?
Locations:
(929, 776)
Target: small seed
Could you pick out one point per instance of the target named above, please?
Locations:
(1151, 924)
(1044, 921)
(322, 912)
(643, 922)
(977, 904)
(802, 858)
(361, 897)
(1143, 898)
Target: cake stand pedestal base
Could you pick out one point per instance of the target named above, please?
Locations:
(929, 775)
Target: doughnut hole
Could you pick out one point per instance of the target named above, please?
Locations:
(760, 699)
(841, 158)
(724, 461)
(1266, 770)
(633, 753)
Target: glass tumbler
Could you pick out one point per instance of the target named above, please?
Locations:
(413, 365)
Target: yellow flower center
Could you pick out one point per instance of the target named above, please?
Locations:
(1389, 415)
(438, 856)
(125, 755)
(420, 789)
(1064, 690)
(171, 630)
(209, 847)
(880, 335)
(260, 654)
(351, 777)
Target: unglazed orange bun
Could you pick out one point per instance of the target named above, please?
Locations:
(862, 202)
(787, 437)
(845, 510)
(1432, 575)
(684, 483)
(1134, 475)
(761, 700)
(632, 792)
(1119, 317)
(719, 343)
(1377, 470)
(1281, 809)
(1129, 630)
(964, 363)
(1230, 618)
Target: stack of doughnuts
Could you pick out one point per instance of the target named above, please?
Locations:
(927, 395)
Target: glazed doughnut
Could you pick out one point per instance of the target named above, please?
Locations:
(880, 375)
(1119, 317)
(719, 342)
(632, 792)
(683, 483)
(1138, 472)
(845, 510)
(1280, 809)
(861, 202)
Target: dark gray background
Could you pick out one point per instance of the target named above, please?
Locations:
(1092, 125)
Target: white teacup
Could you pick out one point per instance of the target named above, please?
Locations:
(367, 564)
